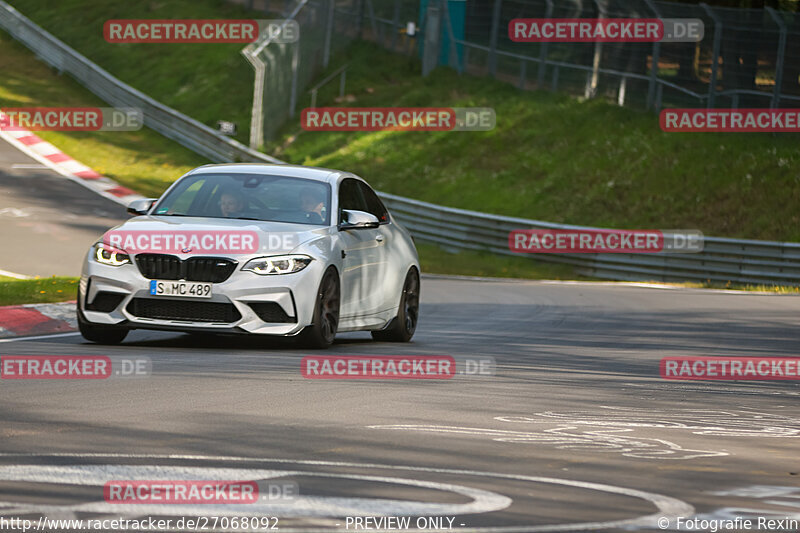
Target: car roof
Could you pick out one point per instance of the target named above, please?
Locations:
(292, 171)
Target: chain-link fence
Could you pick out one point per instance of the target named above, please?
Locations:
(747, 57)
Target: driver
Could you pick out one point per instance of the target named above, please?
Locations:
(231, 204)
(312, 203)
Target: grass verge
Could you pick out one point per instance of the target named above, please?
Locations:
(42, 290)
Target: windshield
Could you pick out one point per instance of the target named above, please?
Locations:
(249, 197)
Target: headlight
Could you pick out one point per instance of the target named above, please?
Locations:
(108, 255)
(279, 264)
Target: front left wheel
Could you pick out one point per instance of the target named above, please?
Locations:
(325, 322)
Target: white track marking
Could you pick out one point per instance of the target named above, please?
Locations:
(24, 166)
(14, 275)
(573, 438)
(666, 506)
(39, 337)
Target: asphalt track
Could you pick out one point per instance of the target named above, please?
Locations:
(47, 222)
(575, 431)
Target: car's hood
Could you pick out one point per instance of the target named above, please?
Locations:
(270, 237)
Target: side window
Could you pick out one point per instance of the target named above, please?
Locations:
(374, 204)
(350, 197)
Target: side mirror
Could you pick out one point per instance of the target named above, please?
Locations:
(141, 207)
(352, 219)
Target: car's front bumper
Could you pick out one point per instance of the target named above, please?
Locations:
(295, 294)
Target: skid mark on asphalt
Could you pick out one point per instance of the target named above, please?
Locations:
(786, 499)
(572, 437)
(740, 422)
(94, 474)
(617, 428)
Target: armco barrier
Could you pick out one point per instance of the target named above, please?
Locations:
(722, 260)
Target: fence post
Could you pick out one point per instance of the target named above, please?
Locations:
(776, 94)
(293, 94)
(591, 85)
(621, 93)
(659, 96)
(454, 59)
(498, 4)
(257, 113)
(326, 54)
(651, 85)
(433, 28)
(712, 83)
(395, 23)
(373, 24)
(543, 49)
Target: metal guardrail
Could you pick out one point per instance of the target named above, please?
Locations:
(165, 120)
(722, 260)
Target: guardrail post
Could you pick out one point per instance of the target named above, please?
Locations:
(776, 93)
(326, 54)
(543, 49)
(498, 5)
(712, 83)
(651, 85)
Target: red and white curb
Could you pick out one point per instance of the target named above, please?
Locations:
(37, 319)
(53, 158)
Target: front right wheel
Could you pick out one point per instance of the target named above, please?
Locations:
(100, 334)
(404, 325)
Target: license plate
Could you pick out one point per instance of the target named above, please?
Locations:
(189, 289)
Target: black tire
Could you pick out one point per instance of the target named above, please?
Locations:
(404, 325)
(98, 333)
(322, 331)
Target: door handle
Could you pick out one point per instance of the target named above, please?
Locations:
(379, 238)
